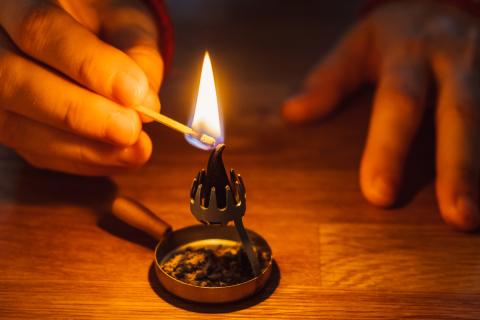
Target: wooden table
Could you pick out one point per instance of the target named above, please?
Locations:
(63, 256)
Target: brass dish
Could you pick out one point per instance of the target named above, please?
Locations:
(204, 236)
(138, 216)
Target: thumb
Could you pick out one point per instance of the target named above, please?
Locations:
(338, 74)
(129, 26)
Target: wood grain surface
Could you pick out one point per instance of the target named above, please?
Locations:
(62, 255)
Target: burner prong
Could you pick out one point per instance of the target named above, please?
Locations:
(231, 203)
(193, 190)
(198, 195)
(242, 184)
(233, 176)
(213, 200)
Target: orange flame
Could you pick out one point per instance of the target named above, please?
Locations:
(206, 117)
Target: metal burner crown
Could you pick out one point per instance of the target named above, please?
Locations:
(235, 201)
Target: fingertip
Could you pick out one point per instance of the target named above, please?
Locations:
(131, 87)
(139, 153)
(124, 127)
(292, 110)
(303, 108)
(379, 190)
(462, 213)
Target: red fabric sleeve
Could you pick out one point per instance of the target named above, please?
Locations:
(165, 31)
(471, 6)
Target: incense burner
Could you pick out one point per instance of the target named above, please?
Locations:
(215, 200)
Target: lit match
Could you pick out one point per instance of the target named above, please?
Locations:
(175, 125)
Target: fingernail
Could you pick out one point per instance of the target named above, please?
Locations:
(468, 213)
(123, 127)
(382, 192)
(130, 89)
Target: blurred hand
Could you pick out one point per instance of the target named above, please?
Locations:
(405, 47)
(69, 70)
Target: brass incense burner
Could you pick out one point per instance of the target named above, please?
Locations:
(215, 200)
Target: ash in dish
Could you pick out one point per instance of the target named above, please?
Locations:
(218, 266)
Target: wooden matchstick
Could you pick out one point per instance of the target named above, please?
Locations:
(175, 125)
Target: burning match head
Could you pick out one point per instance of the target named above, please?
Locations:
(208, 140)
(214, 198)
(201, 140)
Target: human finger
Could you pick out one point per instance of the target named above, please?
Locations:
(39, 141)
(341, 72)
(130, 27)
(36, 92)
(457, 126)
(397, 112)
(43, 30)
